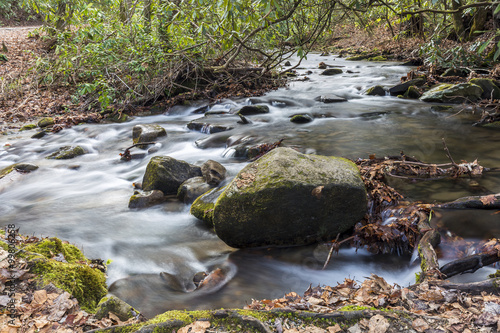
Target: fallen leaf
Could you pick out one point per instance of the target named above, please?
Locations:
(378, 324)
(420, 325)
(334, 329)
(488, 199)
(196, 327)
(39, 297)
(317, 191)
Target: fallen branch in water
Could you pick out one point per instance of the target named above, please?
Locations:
(126, 156)
(491, 201)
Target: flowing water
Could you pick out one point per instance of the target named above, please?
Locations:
(85, 200)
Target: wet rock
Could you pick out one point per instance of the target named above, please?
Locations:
(44, 122)
(118, 117)
(332, 71)
(288, 63)
(494, 125)
(401, 88)
(250, 110)
(217, 140)
(147, 133)
(301, 118)
(146, 199)
(192, 189)
(25, 167)
(490, 89)
(27, 127)
(39, 135)
(213, 123)
(112, 304)
(166, 174)
(375, 91)
(213, 172)
(412, 92)
(287, 198)
(453, 93)
(322, 65)
(330, 99)
(203, 207)
(462, 72)
(66, 153)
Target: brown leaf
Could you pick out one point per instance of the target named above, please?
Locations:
(420, 325)
(488, 199)
(196, 327)
(317, 192)
(378, 324)
(39, 297)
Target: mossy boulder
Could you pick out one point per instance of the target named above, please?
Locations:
(47, 121)
(332, 71)
(250, 110)
(192, 189)
(66, 153)
(147, 133)
(453, 93)
(166, 174)
(412, 92)
(65, 266)
(27, 127)
(203, 207)
(20, 167)
(301, 118)
(494, 125)
(286, 198)
(401, 88)
(490, 89)
(112, 304)
(375, 91)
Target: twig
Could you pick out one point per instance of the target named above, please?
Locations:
(334, 245)
(126, 156)
(448, 153)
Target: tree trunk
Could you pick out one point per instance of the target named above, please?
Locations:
(478, 23)
(458, 22)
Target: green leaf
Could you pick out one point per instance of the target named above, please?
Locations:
(484, 45)
(497, 53)
(497, 10)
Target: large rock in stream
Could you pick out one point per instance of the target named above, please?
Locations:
(166, 174)
(453, 93)
(287, 198)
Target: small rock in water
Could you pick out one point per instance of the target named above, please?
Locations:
(288, 63)
(213, 172)
(375, 91)
(301, 118)
(332, 71)
(330, 99)
(66, 153)
(146, 199)
(192, 189)
(147, 133)
(47, 121)
(322, 65)
(249, 110)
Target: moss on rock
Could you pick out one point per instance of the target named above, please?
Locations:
(66, 153)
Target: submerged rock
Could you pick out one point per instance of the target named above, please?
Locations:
(66, 153)
(166, 174)
(330, 99)
(287, 198)
(192, 189)
(375, 91)
(147, 133)
(453, 93)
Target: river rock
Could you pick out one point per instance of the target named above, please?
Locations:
(66, 153)
(213, 172)
(166, 174)
(287, 198)
(146, 199)
(401, 88)
(332, 71)
(490, 89)
(412, 92)
(47, 121)
(147, 133)
(453, 93)
(203, 207)
(112, 304)
(192, 189)
(330, 99)
(250, 110)
(214, 123)
(375, 91)
(302, 118)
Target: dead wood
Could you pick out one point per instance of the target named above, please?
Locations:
(491, 201)
(474, 288)
(470, 264)
(429, 262)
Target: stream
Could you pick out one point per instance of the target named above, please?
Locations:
(85, 200)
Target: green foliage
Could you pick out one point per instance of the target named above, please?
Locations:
(456, 57)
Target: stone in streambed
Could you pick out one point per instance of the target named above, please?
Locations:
(147, 133)
(330, 99)
(401, 88)
(412, 93)
(332, 71)
(66, 153)
(287, 198)
(301, 118)
(453, 93)
(166, 174)
(375, 91)
(213, 172)
(47, 121)
(490, 89)
(192, 189)
(203, 207)
(461, 72)
(213, 123)
(250, 110)
(146, 199)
